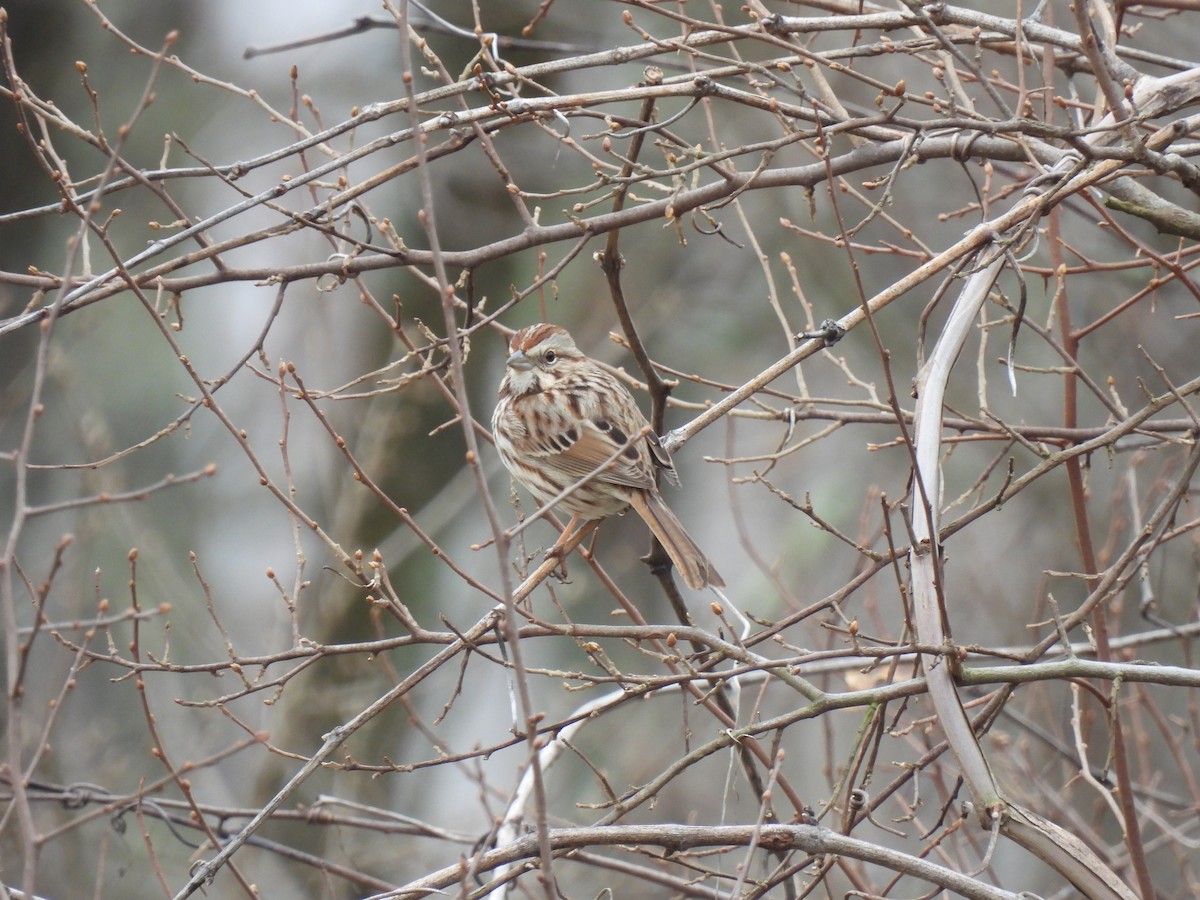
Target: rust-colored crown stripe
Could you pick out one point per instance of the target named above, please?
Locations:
(530, 337)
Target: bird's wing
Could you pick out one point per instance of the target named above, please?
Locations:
(581, 448)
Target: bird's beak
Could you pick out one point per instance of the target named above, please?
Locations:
(520, 362)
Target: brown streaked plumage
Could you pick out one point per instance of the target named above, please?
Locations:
(561, 417)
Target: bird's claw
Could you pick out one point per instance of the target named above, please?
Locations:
(559, 572)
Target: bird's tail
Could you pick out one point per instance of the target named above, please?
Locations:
(697, 572)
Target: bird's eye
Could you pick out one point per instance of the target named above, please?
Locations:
(550, 356)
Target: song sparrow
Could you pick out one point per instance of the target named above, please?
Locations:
(563, 421)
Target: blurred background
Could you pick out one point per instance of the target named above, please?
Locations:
(252, 640)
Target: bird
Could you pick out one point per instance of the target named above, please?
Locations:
(562, 421)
